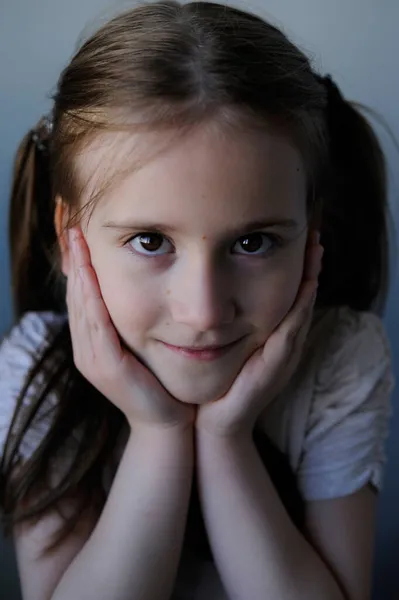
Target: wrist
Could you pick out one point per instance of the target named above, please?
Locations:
(163, 441)
(216, 432)
(217, 456)
(161, 431)
(226, 440)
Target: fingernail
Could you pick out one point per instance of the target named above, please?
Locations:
(316, 238)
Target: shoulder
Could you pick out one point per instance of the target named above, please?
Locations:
(24, 344)
(347, 421)
(20, 350)
(351, 344)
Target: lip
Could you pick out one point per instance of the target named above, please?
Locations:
(205, 353)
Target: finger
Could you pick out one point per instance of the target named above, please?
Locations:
(300, 316)
(71, 291)
(313, 258)
(94, 319)
(303, 318)
(80, 332)
(314, 237)
(301, 312)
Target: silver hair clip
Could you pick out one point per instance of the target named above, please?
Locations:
(42, 133)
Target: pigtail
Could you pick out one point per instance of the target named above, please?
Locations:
(32, 232)
(354, 213)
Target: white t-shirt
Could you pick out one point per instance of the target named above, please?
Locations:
(331, 420)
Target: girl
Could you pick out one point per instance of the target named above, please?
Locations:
(179, 419)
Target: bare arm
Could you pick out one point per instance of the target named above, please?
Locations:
(138, 535)
(258, 551)
(343, 531)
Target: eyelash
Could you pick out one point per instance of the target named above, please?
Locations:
(275, 240)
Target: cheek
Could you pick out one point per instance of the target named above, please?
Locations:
(132, 301)
(274, 295)
(127, 305)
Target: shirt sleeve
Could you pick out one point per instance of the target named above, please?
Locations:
(349, 416)
(19, 352)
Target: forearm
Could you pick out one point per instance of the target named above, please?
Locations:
(258, 551)
(134, 550)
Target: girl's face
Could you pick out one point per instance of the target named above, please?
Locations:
(199, 253)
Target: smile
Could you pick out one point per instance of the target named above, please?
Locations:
(204, 353)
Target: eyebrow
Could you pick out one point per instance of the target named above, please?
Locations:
(289, 224)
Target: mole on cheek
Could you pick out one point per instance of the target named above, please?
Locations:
(204, 237)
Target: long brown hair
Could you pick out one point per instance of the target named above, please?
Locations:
(171, 65)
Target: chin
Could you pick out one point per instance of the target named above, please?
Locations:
(199, 393)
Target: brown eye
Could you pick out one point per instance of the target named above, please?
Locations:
(148, 243)
(254, 243)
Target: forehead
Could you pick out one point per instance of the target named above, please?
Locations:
(204, 173)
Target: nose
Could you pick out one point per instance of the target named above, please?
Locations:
(202, 295)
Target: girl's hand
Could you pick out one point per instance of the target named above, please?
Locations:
(102, 358)
(270, 367)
